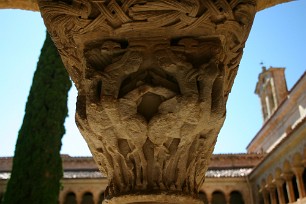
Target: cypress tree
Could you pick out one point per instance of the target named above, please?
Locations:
(37, 165)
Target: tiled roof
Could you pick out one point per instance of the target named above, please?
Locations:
(224, 161)
(5, 175)
(67, 175)
(98, 175)
(83, 174)
(228, 173)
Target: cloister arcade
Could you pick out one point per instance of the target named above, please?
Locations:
(283, 183)
(85, 198)
(286, 184)
(217, 197)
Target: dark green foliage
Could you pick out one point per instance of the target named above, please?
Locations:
(37, 166)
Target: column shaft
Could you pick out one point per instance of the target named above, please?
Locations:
(281, 196)
(272, 196)
(265, 197)
(290, 190)
(299, 180)
(79, 198)
(227, 198)
(280, 192)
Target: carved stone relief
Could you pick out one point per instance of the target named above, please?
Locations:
(32, 4)
(153, 79)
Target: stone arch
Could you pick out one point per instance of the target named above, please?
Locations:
(281, 184)
(218, 197)
(270, 179)
(259, 194)
(299, 170)
(272, 188)
(263, 184)
(87, 198)
(287, 166)
(278, 173)
(287, 169)
(101, 197)
(236, 197)
(203, 197)
(70, 198)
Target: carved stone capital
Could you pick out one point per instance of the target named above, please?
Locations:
(287, 176)
(153, 79)
(298, 170)
(278, 182)
(270, 187)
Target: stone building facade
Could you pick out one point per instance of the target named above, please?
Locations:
(271, 172)
(280, 177)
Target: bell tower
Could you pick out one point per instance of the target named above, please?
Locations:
(271, 89)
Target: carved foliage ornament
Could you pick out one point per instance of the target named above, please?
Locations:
(153, 78)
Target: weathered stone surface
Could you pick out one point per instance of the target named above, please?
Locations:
(264, 4)
(32, 4)
(19, 4)
(153, 199)
(153, 79)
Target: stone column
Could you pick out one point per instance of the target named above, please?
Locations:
(280, 192)
(60, 199)
(227, 198)
(209, 197)
(298, 171)
(289, 186)
(153, 78)
(79, 197)
(271, 189)
(265, 195)
(96, 197)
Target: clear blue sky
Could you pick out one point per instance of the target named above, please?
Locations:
(278, 38)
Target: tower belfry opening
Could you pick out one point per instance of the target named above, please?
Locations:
(271, 89)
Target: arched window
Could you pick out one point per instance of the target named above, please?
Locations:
(236, 198)
(101, 198)
(218, 198)
(203, 197)
(70, 198)
(87, 198)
